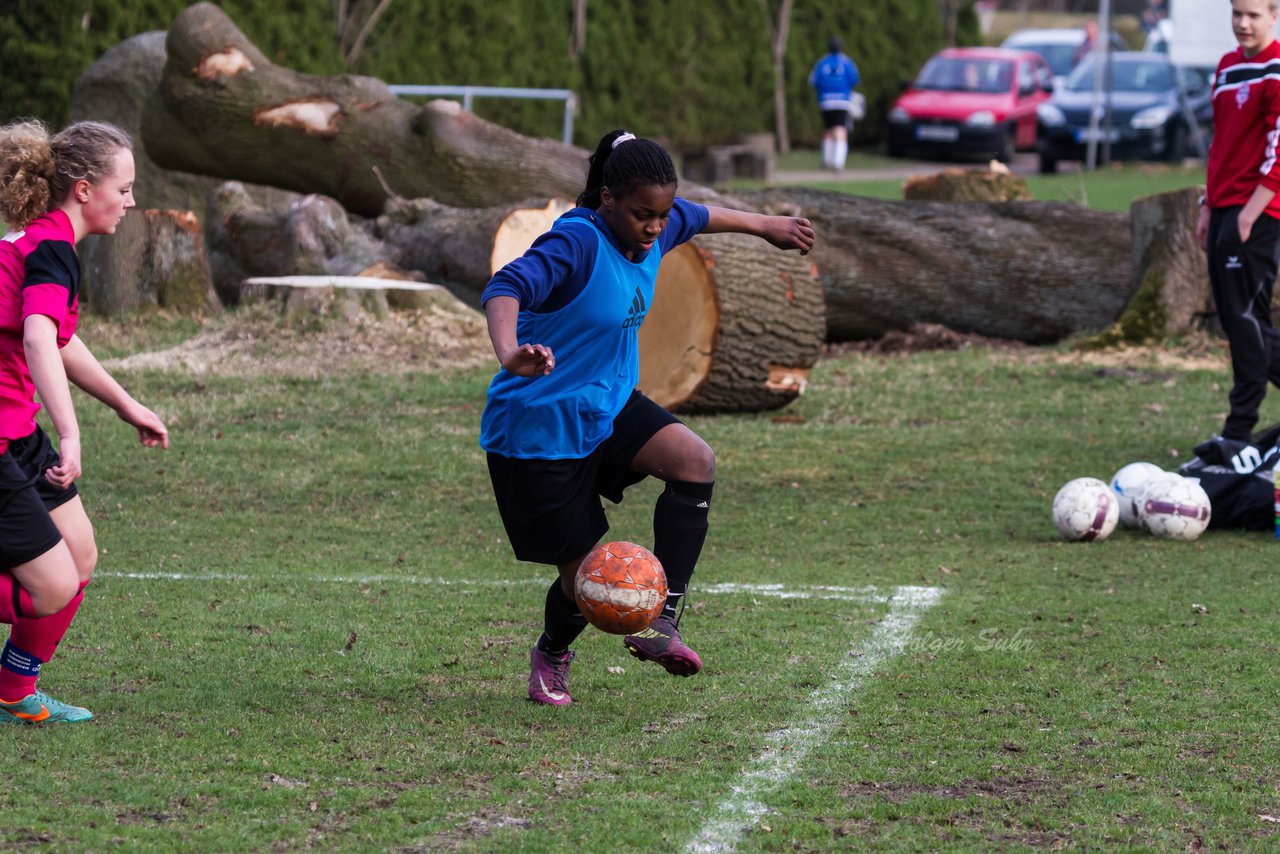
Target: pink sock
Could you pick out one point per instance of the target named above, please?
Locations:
(31, 644)
(14, 599)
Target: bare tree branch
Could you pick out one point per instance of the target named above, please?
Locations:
(578, 38)
(354, 56)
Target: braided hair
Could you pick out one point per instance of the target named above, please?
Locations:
(623, 162)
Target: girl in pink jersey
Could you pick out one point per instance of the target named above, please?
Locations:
(54, 190)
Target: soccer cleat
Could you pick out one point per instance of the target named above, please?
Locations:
(661, 643)
(549, 678)
(40, 708)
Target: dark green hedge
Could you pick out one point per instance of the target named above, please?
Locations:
(678, 70)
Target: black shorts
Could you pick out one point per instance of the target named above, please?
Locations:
(552, 509)
(835, 119)
(26, 528)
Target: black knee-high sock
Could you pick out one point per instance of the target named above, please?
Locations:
(679, 530)
(562, 623)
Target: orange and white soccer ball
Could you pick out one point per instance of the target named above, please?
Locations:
(620, 588)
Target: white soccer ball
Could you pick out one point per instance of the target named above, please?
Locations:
(1085, 509)
(1161, 476)
(1128, 484)
(1175, 509)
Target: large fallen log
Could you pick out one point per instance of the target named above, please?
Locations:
(223, 109)
(114, 89)
(1031, 271)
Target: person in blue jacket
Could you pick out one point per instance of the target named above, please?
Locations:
(565, 424)
(833, 79)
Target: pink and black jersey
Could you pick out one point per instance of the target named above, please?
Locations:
(39, 274)
(1246, 128)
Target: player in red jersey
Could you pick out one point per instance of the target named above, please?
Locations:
(54, 190)
(1239, 225)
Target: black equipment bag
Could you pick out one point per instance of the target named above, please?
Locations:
(1239, 479)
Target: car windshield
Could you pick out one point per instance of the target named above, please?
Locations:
(953, 74)
(1152, 76)
(1061, 57)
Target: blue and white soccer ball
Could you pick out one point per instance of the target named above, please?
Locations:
(1128, 484)
(1085, 509)
(1175, 509)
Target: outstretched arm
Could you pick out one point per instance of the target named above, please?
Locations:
(784, 232)
(83, 369)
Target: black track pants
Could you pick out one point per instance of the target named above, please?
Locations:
(1242, 276)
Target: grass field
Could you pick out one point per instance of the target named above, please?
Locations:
(1110, 187)
(1113, 188)
(307, 632)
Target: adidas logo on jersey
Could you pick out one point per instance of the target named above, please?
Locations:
(636, 314)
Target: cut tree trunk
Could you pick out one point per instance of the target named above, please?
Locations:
(155, 257)
(1032, 271)
(223, 109)
(1171, 282)
(735, 326)
(461, 248)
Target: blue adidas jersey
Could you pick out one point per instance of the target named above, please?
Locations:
(580, 296)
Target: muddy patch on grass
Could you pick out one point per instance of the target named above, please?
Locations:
(1015, 791)
(470, 831)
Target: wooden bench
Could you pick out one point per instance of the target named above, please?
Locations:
(715, 164)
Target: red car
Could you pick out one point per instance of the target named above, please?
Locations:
(971, 100)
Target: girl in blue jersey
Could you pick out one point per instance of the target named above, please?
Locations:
(565, 424)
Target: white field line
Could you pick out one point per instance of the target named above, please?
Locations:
(772, 591)
(743, 807)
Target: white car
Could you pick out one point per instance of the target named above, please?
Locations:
(1058, 47)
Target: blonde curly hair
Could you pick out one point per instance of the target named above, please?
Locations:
(38, 170)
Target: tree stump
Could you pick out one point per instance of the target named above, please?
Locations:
(223, 109)
(1171, 281)
(311, 236)
(307, 301)
(156, 257)
(1032, 271)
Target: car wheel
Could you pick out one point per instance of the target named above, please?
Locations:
(1048, 165)
(896, 149)
(1176, 149)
